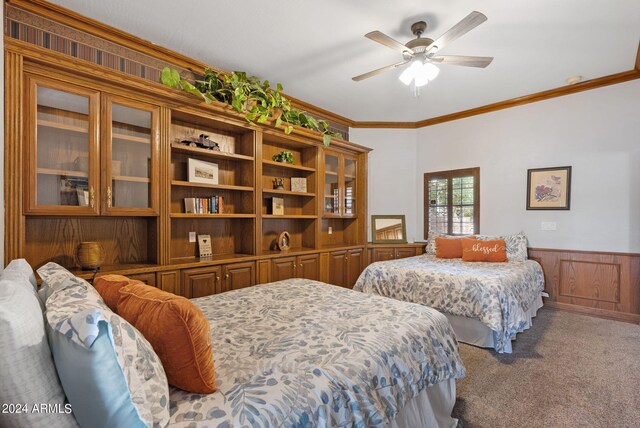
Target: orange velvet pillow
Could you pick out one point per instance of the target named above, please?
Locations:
(177, 330)
(109, 288)
(474, 250)
(450, 248)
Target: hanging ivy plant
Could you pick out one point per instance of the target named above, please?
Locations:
(256, 99)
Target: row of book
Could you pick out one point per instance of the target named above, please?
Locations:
(212, 205)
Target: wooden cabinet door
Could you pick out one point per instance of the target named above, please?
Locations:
(355, 265)
(349, 185)
(383, 254)
(283, 268)
(331, 186)
(239, 275)
(147, 278)
(201, 282)
(402, 253)
(338, 268)
(169, 281)
(62, 157)
(309, 267)
(130, 157)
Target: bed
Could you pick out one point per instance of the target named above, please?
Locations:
(304, 353)
(486, 303)
(294, 353)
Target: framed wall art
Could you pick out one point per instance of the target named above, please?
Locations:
(202, 172)
(549, 188)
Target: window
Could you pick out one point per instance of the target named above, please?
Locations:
(452, 202)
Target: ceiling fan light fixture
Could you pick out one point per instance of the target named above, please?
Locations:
(410, 73)
(419, 73)
(430, 71)
(421, 78)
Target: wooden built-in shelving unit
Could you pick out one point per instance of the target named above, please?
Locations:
(103, 160)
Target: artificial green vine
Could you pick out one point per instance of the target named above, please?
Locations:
(247, 94)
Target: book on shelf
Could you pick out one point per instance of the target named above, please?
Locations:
(210, 205)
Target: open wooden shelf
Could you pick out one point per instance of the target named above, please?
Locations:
(206, 260)
(231, 215)
(288, 192)
(287, 165)
(63, 126)
(50, 171)
(122, 269)
(291, 250)
(300, 216)
(213, 154)
(211, 186)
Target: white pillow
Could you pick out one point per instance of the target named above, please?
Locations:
(108, 369)
(20, 271)
(430, 248)
(516, 245)
(26, 367)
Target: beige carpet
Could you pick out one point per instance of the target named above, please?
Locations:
(568, 370)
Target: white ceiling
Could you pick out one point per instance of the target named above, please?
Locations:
(314, 47)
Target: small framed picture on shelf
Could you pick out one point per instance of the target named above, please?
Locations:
(202, 172)
(277, 206)
(204, 245)
(299, 184)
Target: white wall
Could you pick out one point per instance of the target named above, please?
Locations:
(597, 132)
(392, 167)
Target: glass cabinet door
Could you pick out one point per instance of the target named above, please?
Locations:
(331, 184)
(62, 149)
(130, 158)
(349, 186)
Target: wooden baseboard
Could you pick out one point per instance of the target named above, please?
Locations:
(594, 312)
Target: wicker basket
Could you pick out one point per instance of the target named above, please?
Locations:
(89, 255)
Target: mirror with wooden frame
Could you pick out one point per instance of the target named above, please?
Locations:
(388, 229)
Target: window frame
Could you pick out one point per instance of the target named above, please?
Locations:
(449, 175)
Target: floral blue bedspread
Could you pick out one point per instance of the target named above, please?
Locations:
(301, 353)
(496, 294)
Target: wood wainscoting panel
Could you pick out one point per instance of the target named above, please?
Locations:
(603, 284)
(582, 280)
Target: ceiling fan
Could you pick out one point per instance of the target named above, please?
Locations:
(422, 52)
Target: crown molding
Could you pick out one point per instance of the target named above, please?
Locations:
(99, 29)
(398, 125)
(318, 111)
(599, 82)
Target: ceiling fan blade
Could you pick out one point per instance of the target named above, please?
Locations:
(383, 39)
(466, 61)
(467, 24)
(378, 71)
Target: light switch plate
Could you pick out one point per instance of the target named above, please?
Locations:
(192, 237)
(548, 225)
(330, 230)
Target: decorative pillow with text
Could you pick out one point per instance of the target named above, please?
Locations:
(474, 250)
